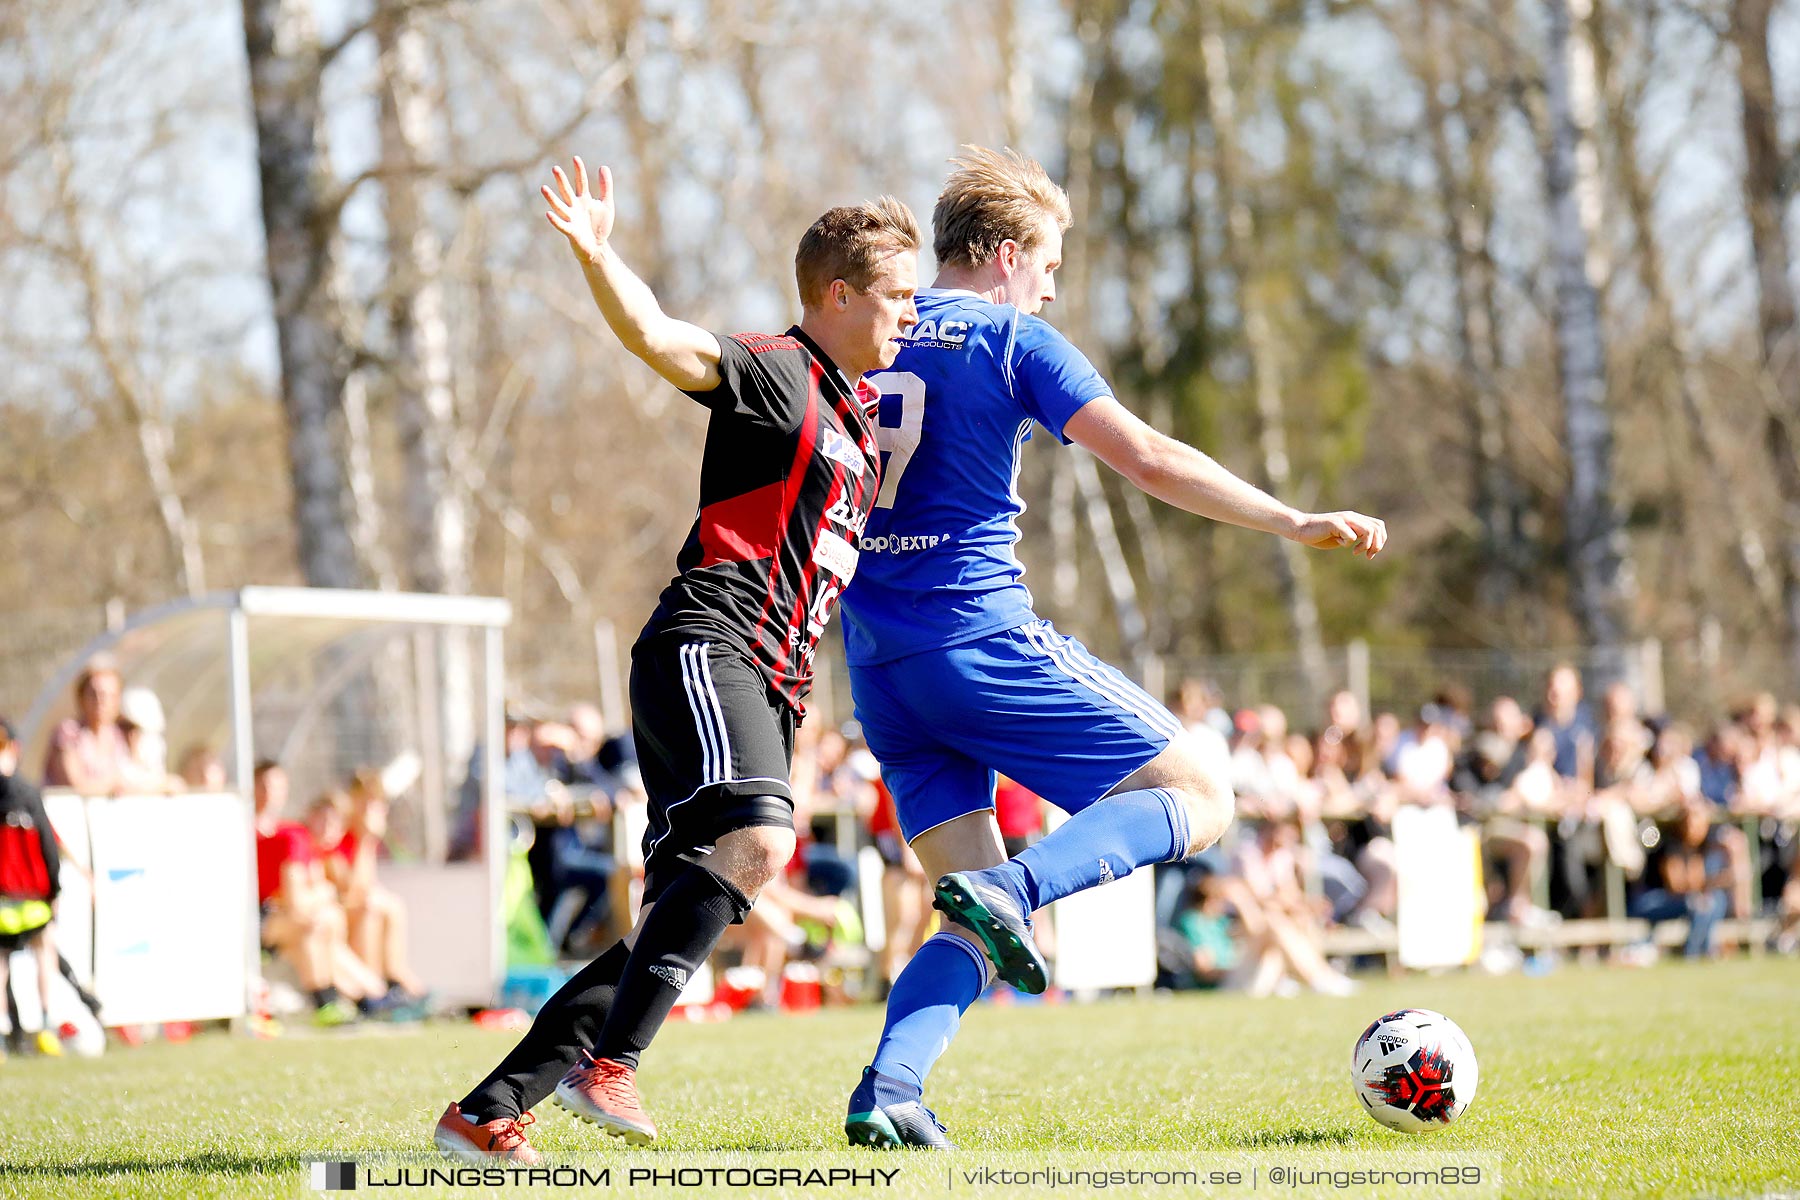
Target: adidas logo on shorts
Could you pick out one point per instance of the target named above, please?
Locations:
(675, 977)
(1106, 872)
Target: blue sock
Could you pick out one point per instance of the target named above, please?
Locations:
(1105, 841)
(926, 1006)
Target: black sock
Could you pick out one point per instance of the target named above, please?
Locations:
(567, 1024)
(323, 996)
(679, 935)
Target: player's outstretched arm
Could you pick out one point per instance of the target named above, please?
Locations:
(1178, 474)
(685, 355)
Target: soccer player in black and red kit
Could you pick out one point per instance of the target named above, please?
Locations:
(790, 471)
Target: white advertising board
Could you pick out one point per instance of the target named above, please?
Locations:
(1440, 906)
(1106, 936)
(172, 906)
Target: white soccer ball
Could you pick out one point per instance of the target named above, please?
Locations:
(1414, 1070)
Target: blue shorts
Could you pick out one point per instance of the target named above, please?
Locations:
(1027, 702)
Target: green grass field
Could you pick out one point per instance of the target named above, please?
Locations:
(1676, 1081)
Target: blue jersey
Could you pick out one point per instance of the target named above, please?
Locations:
(937, 566)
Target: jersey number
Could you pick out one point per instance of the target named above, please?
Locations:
(899, 441)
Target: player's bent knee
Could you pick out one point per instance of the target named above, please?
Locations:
(1199, 772)
(1204, 787)
(749, 858)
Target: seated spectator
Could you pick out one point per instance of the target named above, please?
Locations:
(1787, 738)
(30, 870)
(525, 781)
(578, 867)
(532, 749)
(1669, 778)
(1768, 772)
(1517, 846)
(1198, 705)
(1733, 781)
(1619, 796)
(89, 752)
(1569, 723)
(1717, 761)
(576, 762)
(141, 719)
(1506, 718)
(1694, 881)
(302, 920)
(1204, 951)
(347, 830)
(1537, 790)
(1343, 717)
(1426, 757)
(1281, 923)
(202, 770)
(1383, 744)
(839, 791)
(1343, 886)
(1351, 830)
(1262, 775)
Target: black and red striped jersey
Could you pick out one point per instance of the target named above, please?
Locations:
(790, 471)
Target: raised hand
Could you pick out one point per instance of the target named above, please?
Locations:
(586, 220)
(1328, 531)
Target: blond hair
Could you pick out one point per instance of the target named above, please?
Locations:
(993, 196)
(848, 243)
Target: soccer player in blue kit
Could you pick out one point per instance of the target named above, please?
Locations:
(954, 676)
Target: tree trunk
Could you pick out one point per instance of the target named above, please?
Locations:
(1121, 587)
(1015, 73)
(1465, 235)
(367, 540)
(1599, 562)
(283, 52)
(1765, 198)
(1092, 95)
(1147, 353)
(1691, 394)
(1293, 570)
(435, 508)
(1208, 612)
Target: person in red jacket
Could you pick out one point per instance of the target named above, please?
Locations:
(29, 866)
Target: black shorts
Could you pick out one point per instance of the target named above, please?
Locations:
(715, 748)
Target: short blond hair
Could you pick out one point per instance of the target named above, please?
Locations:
(849, 243)
(993, 196)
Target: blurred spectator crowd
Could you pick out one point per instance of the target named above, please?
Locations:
(1563, 793)
(1583, 808)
